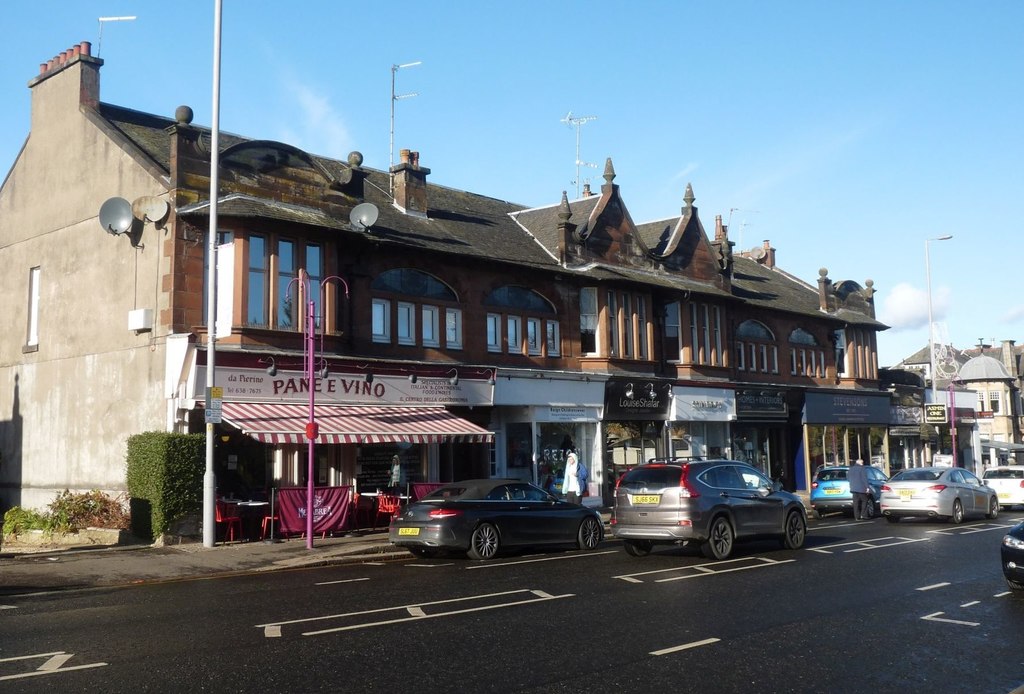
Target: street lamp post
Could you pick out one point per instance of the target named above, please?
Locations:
(309, 336)
(931, 322)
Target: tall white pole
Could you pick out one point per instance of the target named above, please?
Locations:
(931, 323)
(209, 483)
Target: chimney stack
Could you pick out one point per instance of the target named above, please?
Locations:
(79, 60)
(410, 184)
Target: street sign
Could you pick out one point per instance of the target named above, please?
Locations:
(214, 404)
(935, 414)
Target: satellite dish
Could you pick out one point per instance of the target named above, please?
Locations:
(758, 252)
(363, 215)
(116, 216)
(150, 209)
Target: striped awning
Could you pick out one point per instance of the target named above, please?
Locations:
(286, 423)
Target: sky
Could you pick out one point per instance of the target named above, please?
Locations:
(847, 134)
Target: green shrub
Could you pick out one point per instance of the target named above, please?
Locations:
(18, 520)
(70, 513)
(165, 479)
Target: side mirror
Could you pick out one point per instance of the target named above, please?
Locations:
(776, 486)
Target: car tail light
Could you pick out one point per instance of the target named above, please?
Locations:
(814, 485)
(886, 488)
(686, 489)
(1022, 484)
(439, 513)
(935, 488)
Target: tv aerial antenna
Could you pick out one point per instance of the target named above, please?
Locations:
(104, 20)
(578, 122)
(394, 98)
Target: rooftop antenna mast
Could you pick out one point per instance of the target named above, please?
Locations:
(394, 98)
(104, 20)
(577, 122)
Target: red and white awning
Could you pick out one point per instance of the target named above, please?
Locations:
(286, 423)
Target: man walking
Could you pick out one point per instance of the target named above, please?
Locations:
(857, 476)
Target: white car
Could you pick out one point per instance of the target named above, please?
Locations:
(1008, 481)
(937, 492)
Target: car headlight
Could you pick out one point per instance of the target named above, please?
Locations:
(1013, 542)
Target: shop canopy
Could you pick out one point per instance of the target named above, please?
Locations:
(286, 423)
(1002, 445)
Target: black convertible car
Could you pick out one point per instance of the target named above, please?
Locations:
(481, 517)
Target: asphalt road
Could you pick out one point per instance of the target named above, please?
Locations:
(869, 606)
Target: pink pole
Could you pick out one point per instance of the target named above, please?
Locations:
(310, 356)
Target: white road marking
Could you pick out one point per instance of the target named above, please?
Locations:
(1003, 594)
(52, 665)
(708, 569)
(493, 565)
(8, 607)
(861, 545)
(347, 580)
(934, 617)
(428, 566)
(972, 603)
(273, 632)
(971, 529)
(934, 586)
(416, 611)
(685, 646)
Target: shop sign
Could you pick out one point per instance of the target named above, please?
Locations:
(570, 414)
(935, 414)
(634, 399)
(906, 415)
(256, 385)
(914, 431)
(846, 408)
(754, 404)
(703, 404)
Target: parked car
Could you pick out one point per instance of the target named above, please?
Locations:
(711, 503)
(1008, 481)
(830, 490)
(482, 517)
(937, 492)
(1012, 555)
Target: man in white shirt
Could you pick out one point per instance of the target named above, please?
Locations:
(571, 480)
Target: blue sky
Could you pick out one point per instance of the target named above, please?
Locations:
(845, 133)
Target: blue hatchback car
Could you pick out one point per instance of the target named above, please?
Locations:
(830, 490)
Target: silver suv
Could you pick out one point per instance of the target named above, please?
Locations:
(712, 503)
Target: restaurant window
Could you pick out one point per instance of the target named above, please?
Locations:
(256, 309)
(453, 328)
(430, 324)
(493, 332)
(588, 320)
(519, 305)
(673, 345)
(381, 320)
(533, 336)
(409, 292)
(32, 329)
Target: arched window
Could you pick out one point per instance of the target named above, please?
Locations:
(755, 348)
(517, 307)
(415, 293)
(806, 358)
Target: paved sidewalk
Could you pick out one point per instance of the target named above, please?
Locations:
(81, 567)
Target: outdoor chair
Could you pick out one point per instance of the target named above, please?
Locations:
(387, 506)
(227, 514)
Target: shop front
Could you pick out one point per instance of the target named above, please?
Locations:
(763, 433)
(840, 427)
(634, 426)
(698, 422)
(538, 419)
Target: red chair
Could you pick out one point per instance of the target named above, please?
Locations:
(387, 506)
(227, 514)
(268, 521)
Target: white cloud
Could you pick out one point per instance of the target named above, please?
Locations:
(906, 306)
(317, 126)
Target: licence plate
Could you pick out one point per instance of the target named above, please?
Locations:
(833, 491)
(1004, 495)
(646, 499)
(906, 493)
(408, 531)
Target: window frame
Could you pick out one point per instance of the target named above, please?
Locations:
(382, 307)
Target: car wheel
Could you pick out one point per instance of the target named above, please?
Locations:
(637, 548)
(484, 542)
(1014, 585)
(423, 552)
(958, 512)
(720, 539)
(795, 531)
(589, 535)
(892, 518)
(818, 513)
(993, 509)
(869, 508)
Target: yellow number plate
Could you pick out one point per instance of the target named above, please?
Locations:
(906, 493)
(408, 531)
(1004, 495)
(646, 499)
(833, 491)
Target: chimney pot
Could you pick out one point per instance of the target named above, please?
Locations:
(42, 68)
(75, 51)
(86, 47)
(404, 154)
(414, 159)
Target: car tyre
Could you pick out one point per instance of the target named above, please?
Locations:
(993, 509)
(958, 513)
(637, 548)
(720, 539)
(589, 535)
(1014, 585)
(795, 531)
(423, 552)
(869, 509)
(892, 518)
(818, 513)
(484, 543)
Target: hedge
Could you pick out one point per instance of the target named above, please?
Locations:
(165, 479)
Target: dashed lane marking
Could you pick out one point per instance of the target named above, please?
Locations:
(347, 580)
(52, 665)
(934, 617)
(862, 545)
(685, 646)
(971, 529)
(933, 586)
(560, 557)
(708, 569)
